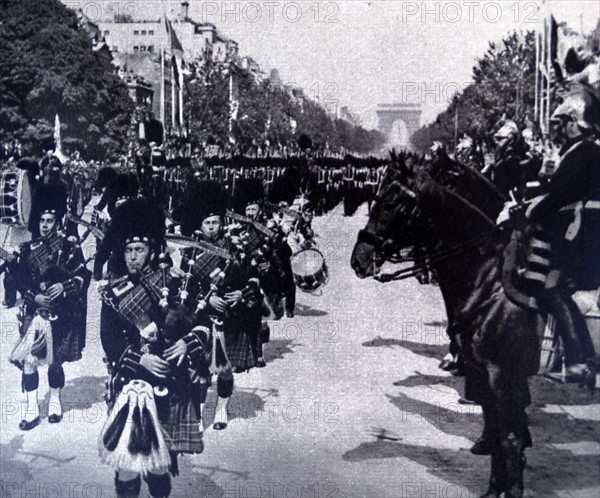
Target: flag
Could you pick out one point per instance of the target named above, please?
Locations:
(175, 51)
(553, 31)
(176, 48)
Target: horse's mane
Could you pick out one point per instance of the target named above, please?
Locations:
(448, 211)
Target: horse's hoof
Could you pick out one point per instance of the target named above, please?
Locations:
(483, 446)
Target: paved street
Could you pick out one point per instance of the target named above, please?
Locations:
(351, 404)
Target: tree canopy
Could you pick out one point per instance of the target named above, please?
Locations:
(268, 114)
(48, 67)
(503, 84)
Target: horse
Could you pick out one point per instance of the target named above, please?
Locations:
(479, 191)
(498, 339)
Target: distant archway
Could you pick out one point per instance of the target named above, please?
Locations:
(398, 122)
(399, 134)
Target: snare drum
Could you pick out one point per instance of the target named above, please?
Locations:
(15, 198)
(309, 269)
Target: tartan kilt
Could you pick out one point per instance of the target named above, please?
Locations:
(182, 424)
(68, 334)
(241, 332)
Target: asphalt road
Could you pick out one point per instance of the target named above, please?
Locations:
(351, 404)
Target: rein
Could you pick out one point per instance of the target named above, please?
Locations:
(435, 258)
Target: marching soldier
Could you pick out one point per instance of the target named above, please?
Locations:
(123, 187)
(53, 279)
(154, 357)
(219, 286)
(283, 194)
(260, 243)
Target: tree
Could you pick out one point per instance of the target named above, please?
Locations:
(503, 85)
(48, 67)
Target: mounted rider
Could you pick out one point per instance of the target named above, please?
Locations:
(570, 212)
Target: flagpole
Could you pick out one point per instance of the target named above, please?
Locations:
(230, 103)
(162, 87)
(536, 112)
(181, 121)
(548, 76)
(173, 95)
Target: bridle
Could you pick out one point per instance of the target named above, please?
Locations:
(386, 249)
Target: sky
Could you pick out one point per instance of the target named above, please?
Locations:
(359, 53)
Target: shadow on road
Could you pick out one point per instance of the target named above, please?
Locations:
(550, 468)
(276, 349)
(426, 350)
(245, 404)
(303, 310)
(418, 379)
(81, 393)
(12, 471)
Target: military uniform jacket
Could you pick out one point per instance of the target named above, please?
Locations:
(571, 212)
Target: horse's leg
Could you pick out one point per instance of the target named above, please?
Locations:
(508, 415)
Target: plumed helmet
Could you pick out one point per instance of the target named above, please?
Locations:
(137, 220)
(583, 106)
(47, 198)
(247, 191)
(436, 146)
(508, 129)
(205, 199)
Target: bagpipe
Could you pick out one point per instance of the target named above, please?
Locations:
(206, 261)
(57, 261)
(91, 227)
(142, 300)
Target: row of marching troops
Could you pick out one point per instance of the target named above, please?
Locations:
(324, 181)
(171, 321)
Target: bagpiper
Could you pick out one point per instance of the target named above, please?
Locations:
(154, 356)
(53, 279)
(221, 287)
(260, 240)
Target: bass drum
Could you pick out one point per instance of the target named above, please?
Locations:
(309, 269)
(15, 198)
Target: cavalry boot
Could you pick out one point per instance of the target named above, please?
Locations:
(221, 418)
(55, 412)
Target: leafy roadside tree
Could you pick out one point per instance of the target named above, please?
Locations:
(265, 114)
(48, 67)
(503, 85)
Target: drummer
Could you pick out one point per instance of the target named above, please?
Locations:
(283, 194)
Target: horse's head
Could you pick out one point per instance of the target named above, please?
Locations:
(390, 226)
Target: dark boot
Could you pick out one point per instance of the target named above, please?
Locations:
(128, 489)
(158, 485)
